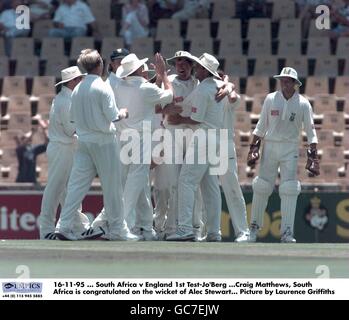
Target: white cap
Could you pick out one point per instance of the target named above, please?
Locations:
(289, 73)
(129, 64)
(209, 62)
(69, 74)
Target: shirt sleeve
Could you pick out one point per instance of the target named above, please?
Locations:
(58, 15)
(109, 108)
(39, 148)
(262, 124)
(68, 127)
(88, 16)
(199, 105)
(155, 95)
(308, 123)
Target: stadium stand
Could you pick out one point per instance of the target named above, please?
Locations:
(251, 50)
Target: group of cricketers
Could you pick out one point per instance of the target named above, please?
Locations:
(107, 129)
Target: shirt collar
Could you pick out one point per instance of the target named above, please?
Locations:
(291, 99)
(136, 79)
(66, 90)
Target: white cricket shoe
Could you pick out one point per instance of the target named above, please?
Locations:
(66, 235)
(213, 237)
(92, 233)
(124, 236)
(287, 237)
(242, 237)
(50, 236)
(145, 235)
(181, 235)
(254, 232)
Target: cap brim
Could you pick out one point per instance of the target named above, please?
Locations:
(172, 61)
(286, 76)
(64, 81)
(122, 73)
(198, 61)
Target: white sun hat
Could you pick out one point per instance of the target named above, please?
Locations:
(69, 74)
(129, 64)
(289, 73)
(180, 54)
(209, 62)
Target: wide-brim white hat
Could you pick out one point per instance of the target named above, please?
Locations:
(180, 54)
(69, 74)
(288, 73)
(209, 62)
(129, 64)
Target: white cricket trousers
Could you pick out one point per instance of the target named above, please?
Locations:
(191, 177)
(234, 197)
(60, 161)
(91, 159)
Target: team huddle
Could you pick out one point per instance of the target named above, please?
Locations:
(107, 128)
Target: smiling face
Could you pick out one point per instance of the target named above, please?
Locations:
(184, 68)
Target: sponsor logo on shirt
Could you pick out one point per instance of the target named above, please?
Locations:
(194, 110)
(274, 112)
(292, 116)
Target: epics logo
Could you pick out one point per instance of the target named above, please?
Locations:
(22, 287)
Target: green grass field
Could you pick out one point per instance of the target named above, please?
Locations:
(103, 259)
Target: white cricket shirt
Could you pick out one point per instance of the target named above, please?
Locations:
(60, 128)
(140, 97)
(93, 110)
(281, 120)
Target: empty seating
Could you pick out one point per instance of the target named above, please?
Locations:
(332, 154)
(197, 28)
(13, 86)
(300, 63)
(22, 47)
(258, 47)
(236, 66)
(19, 104)
(289, 47)
(342, 86)
(229, 29)
(27, 66)
(259, 28)
(44, 104)
(230, 47)
(168, 28)
(318, 47)
(316, 85)
(80, 43)
(4, 66)
(342, 48)
(223, 9)
(170, 46)
(290, 28)
(324, 103)
(283, 10)
(325, 138)
(54, 65)
(257, 85)
(326, 66)
(52, 47)
(43, 85)
(109, 44)
(41, 28)
(20, 120)
(200, 45)
(107, 27)
(266, 66)
(314, 32)
(143, 47)
(333, 121)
